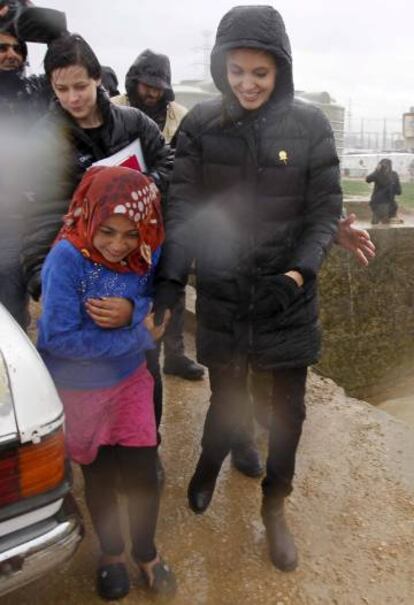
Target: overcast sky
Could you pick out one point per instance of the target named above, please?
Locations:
(360, 51)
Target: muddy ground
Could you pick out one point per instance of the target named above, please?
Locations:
(352, 513)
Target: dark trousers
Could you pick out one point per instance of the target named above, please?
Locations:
(230, 406)
(173, 345)
(153, 365)
(131, 470)
(173, 339)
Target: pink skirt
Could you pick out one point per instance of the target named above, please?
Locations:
(122, 414)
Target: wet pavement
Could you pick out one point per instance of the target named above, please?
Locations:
(352, 513)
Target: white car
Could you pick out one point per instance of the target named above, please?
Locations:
(40, 526)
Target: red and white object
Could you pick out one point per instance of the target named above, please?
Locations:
(130, 156)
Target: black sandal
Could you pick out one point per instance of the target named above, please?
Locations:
(112, 581)
(163, 582)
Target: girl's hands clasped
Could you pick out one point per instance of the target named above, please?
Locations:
(113, 312)
(110, 312)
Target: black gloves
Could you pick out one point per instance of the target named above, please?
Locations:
(167, 295)
(274, 294)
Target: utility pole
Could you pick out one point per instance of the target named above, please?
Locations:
(349, 116)
(384, 135)
(362, 133)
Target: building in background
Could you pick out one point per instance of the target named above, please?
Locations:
(408, 129)
(334, 112)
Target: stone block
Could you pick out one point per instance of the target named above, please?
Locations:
(368, 316)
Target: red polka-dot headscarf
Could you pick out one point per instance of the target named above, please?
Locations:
(103, 192)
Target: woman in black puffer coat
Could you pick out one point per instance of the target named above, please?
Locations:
(255, 198)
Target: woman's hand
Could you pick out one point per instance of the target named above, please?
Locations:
(110, 312)
(357, 241)
(275, 293)
(157, 331)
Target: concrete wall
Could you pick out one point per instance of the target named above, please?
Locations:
(368, 318)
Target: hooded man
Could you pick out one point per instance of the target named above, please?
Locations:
(148, 86)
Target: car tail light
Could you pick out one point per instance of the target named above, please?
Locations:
(42, 466)
(30, 470)
(9, 478)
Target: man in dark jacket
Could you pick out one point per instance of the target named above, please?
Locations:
(255, 198)
(22, 101)
(20, 95)
(148, 88)
(386, 187)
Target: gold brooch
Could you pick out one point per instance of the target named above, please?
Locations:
(283, 156)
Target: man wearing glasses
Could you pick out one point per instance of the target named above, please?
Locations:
(20, 96)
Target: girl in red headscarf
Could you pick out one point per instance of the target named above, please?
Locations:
(108, 247)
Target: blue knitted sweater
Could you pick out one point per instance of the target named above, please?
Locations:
(78, 353)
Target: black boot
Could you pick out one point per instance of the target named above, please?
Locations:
(182, 366)
(201, 487)
(282, 548)
(245, 458)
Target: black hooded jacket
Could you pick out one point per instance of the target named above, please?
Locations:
(23, 100)
(253, 195)
(153, 69)
(65, 152)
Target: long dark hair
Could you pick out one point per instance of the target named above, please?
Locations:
(68, 50)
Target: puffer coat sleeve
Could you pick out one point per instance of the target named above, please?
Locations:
(323, 202)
